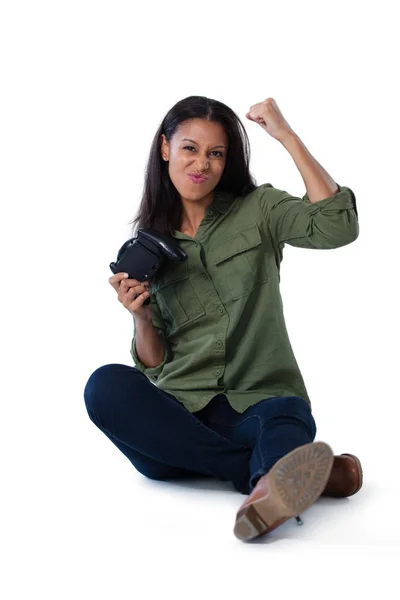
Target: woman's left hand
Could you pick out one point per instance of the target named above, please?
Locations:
(270, 118)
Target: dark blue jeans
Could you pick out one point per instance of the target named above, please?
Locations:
(163, 440)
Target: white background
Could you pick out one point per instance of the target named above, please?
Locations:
(84, 87)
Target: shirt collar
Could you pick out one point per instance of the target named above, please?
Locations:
(221, 203)
(222, 200)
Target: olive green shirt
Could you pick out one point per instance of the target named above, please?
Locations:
(220, 313)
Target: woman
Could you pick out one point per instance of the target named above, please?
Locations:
(216, 390)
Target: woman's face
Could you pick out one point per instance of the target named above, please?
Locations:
(200, 147)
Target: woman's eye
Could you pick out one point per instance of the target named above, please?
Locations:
(187, 147)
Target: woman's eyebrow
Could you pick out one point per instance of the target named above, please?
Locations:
(189, 140)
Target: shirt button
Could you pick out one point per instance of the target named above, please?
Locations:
(220, 310)
(219, 344)
(217, 373)
(196, 244)
(204, 276)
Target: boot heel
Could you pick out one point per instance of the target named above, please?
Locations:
(249, 525)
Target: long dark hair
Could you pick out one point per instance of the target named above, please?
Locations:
(160, 207)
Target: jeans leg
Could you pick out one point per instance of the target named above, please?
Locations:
(153, 469)
(283, 426)
(156, 432)
(272, 428)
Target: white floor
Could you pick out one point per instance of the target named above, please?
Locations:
(81, 522)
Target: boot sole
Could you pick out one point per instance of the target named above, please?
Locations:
(295, 482)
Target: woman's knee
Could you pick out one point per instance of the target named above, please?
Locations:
(292, 407)
(102, 385)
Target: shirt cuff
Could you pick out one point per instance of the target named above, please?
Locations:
(151, 372)
(344, 198)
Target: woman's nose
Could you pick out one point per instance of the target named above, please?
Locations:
(202, 165)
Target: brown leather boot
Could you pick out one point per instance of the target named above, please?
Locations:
(290, 486)
(346, 477)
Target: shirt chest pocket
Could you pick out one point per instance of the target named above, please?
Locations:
(175, 295)
(239, 263)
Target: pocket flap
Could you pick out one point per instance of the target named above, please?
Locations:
(242, 240)
(175, 272)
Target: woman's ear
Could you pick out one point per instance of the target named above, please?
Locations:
(164, 148)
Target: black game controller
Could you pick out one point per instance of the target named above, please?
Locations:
(147, 254)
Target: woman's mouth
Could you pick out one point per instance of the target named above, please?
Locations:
(198, 178)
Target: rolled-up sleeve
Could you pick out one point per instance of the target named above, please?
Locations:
(153, 372)
(328, 223)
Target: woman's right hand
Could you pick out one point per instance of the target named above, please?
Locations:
(127, 290)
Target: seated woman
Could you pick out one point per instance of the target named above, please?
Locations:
(216, 390)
